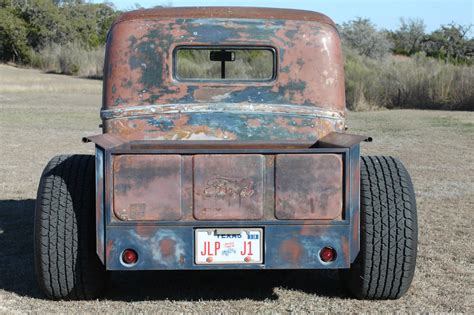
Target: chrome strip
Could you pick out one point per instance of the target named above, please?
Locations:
(243, 108)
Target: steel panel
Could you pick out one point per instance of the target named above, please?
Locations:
(147, 187)
(172, 248)
(99, 203)
(228, 187)
(308, 186)
(340, 233)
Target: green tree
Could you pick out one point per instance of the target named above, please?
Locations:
(450, 43)
(362, 36)
(46, 23)
(31, 25)
(13, 37)
(408, 39)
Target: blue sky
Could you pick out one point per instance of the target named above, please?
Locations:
(384, 13)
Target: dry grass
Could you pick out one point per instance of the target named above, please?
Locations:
(435, 146)
(17, 80)
(70, 59)
(417, 82)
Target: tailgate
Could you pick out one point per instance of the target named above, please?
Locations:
(208, 187)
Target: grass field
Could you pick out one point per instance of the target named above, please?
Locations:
(42, 115)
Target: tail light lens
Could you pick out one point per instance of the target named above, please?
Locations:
(327, 254)
(129, 257)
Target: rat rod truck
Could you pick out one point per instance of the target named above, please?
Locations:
(224, 147)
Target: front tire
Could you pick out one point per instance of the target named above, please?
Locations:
(66, 262)
(385, 266)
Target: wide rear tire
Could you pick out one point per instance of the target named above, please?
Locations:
(385, 266)
(66, 262)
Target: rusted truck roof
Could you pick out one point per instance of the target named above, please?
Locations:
(226, 12)
(145, 98)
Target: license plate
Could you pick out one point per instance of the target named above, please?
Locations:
(228, 246)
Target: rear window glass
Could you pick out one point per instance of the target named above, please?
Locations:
(224, 63)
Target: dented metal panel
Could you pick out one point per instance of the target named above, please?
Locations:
(228, 187)
(147, 187)
(308, 186)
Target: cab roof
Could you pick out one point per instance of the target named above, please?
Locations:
(226, 13)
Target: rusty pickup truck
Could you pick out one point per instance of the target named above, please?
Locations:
(224, 146)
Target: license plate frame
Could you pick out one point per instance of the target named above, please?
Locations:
(247, 249)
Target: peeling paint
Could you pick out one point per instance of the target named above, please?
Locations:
(142, 67)
(285, 168)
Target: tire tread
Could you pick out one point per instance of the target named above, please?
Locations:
(64, 244)
(386, 263)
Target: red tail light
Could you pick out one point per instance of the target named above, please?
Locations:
(327, 254)
(129, 257)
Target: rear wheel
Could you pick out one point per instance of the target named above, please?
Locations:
(67, 265)
(385, 266)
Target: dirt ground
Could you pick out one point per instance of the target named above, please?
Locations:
(42, 115)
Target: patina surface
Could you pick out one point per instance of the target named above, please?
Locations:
(287, 247)
(228, 187)
(169, 187)
(308, 187)
(284, 167)
(143, 100)
(210, 178)
(147, 187)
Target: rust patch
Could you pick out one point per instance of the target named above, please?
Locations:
(108, 248)
(226, 13)
(345, 250)
(147, 187)
(355, 226)
(228, 187)
(139, 68)
(313, 230)
(144, 231)
(291, 251)
(308, 186)
(167, 247)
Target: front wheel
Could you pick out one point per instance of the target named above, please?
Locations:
(385, 265)
(67, 265)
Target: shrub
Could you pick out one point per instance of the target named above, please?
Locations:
(72, 59)
(403, 82)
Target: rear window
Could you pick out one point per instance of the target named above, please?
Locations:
(225, 63)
